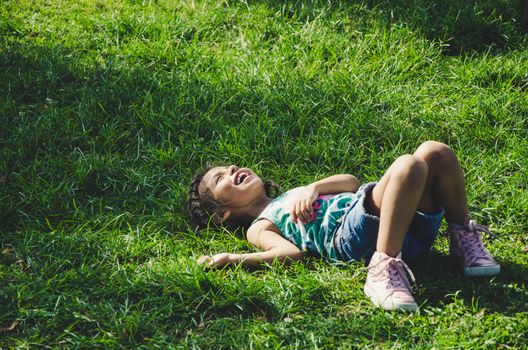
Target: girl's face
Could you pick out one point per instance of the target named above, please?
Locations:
(233, 187)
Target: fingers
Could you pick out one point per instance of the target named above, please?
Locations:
(308, 207)
(302, 211)
(297, 214)
(205, 259)
(218, 260)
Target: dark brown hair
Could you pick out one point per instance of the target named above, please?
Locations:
(201, 206)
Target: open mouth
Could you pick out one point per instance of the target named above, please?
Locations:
(241, 176)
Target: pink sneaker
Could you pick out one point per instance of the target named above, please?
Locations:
(465, 245)
(387, 284)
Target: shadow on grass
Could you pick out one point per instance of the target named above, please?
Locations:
(474, 26)
(465, 27)
(73, 125)
(442, 282)
(86, 135)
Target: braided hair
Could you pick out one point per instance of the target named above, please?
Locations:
(202, 205)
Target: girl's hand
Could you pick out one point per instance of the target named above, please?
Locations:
(302, 209)
(218, 260)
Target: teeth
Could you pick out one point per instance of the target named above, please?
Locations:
(241, 177)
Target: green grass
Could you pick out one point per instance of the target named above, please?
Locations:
(108, 108)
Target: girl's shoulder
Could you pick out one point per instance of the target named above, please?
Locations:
(254, 231)
(262, 224)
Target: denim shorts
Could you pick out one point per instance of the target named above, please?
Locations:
(356, 237)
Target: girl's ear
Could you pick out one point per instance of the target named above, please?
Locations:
(220, 216)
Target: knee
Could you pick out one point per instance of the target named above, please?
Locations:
(434, 152)
(411, 167)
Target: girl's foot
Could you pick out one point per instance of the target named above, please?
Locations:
(387, 284)
(465, 245)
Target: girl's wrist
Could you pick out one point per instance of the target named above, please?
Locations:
(235, 258)
(315, 188)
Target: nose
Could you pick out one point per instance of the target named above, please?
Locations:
(232, 169)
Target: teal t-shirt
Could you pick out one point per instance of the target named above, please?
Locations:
(318, 235)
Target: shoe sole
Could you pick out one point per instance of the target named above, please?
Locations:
(391, 307)
(475, 271)
(482, 271)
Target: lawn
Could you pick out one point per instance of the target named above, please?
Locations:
(107, 109)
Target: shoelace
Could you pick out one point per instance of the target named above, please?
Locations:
(397, 269)
(471, 241)
(397, 277)
(474, 227)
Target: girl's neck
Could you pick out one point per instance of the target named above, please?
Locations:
(246, 217)
(257, 208)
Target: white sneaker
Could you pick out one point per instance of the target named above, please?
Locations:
(387, 284)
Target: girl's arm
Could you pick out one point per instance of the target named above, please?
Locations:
(302, 207)
(336, 184)
(274, 245)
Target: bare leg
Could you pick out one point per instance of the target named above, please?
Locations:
(429, 179)
(445, 185)
(395, 200)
